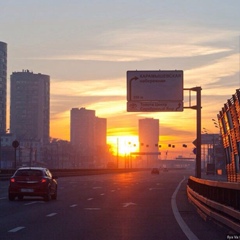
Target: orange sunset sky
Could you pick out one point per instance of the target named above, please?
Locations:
(88, 46)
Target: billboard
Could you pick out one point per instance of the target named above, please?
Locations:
(155, 90)
(154, 106)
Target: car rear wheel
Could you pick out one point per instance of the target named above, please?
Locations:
(20, 197)
(47, 197)
(54, 196)
(11, 197)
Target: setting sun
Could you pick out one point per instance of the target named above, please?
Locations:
(123, 145)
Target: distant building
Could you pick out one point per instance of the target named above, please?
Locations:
(7, 156)
(229, 125)
(100, 141)
(30, 106)
(3, 86)
(87, 135)
(100, 131)
(148, 133)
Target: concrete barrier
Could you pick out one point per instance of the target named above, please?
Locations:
(7, 173)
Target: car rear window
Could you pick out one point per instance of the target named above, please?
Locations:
(29, 173)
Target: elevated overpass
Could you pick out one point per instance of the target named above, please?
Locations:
(178, 163)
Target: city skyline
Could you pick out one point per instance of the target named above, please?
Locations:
(88, 47)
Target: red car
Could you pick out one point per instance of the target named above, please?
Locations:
(155, 171)
(32, 181)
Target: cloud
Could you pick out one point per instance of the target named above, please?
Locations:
(133, 44)
(138, 53)
(210, 74)
(112, 87)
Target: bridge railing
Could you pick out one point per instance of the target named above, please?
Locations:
(218, 200)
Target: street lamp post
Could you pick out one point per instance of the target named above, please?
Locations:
(0, 152)
(117, 151)
(147, 154)
(129, 155)
(15, 144)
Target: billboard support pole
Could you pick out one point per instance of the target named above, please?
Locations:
(198, 130)
(199, 140)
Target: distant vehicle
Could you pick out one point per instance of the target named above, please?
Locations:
(32, 181)
(165, 169)
(155, 171)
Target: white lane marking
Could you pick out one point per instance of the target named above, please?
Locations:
(90, 199)
(102, 194)
(189, 234)
(30, 203)
(150, 189)
(92, 209)
(51, 214)
(112, 190)
(26, 204)
(74, 205)
(2, 198)
(128, 204)
(96, 187)
(16, 229)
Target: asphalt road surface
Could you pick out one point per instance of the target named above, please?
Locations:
(127, 206)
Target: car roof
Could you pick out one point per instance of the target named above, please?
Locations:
(32, 168)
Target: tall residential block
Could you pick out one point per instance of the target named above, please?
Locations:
(30, 106)
(3, 86)
(101, 141)
(87, 136)
(148, 133)
(100, 132)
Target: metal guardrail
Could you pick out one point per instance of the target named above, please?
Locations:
(218, 200)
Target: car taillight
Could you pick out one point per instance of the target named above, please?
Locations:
(12, 180)
(44, 180)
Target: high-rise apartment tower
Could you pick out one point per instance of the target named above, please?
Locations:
(148, 133)
(30, 106)
(3, 86)
(87, 135)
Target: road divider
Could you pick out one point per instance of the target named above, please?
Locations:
(5, 174)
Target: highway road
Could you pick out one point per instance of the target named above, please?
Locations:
(126, 206)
